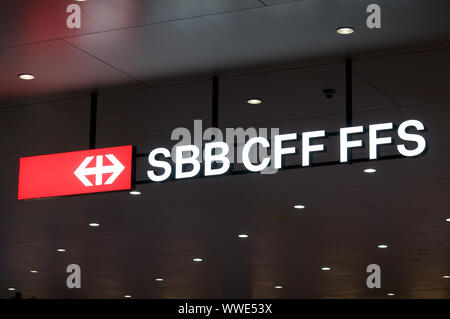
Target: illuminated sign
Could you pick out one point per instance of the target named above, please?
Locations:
(214, 153)
(72, 173)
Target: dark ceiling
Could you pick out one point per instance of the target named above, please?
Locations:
(152, 62)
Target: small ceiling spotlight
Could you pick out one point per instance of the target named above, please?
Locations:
(446, 276)
(370, 170)
(243, 236)
(382, 246)
(34, 271)
(61, 250)
(94, 224)
(135, 192)
(254, 101)
(11, 289)
(197, 260)
(345, 30)
(391, 294)
(159, 279)
(26, 76)
(325, 268)
(299, 206)
(127, 296)
(278, 287)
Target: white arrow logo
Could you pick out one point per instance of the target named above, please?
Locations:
(82, 171)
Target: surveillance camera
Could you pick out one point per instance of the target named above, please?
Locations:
(329, 93)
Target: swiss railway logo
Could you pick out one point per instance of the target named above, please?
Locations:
(99, 170)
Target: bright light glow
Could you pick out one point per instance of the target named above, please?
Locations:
(11, 289)
(448, 219)
(127, 296)
(279, 150)
(246, 157)
(34, 271)
(135, 192)
(370, 170)
(180, 161)
(345, 144)
(299, 206)
(307, 148)
(243, 236)
(160, 164)
(374, 140)
(159, 279)
(26, 76)
(383, 246)
(197, 260)
(421, 143)
(254, 101)
(345, 30)
(278, 287)
(94, 224)
(326, 268)
(446, 277)
(391, 294)
(216, 157)
(61, 250)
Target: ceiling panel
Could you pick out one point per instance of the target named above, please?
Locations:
(46, 19)
(59, 69)
(410, 79)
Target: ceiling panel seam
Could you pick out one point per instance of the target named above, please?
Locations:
(105, 63)
(401, 53)
(377, 209)
(377, 89)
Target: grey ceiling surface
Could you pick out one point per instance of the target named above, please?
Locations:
(151, 62)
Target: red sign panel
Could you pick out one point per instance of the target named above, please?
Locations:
(91, 171)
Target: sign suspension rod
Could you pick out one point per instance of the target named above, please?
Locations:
(93, 121)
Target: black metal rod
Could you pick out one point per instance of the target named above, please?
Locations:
(299, 166)
(348, 93)
(93, 121)
(215, 102)
(235, 144)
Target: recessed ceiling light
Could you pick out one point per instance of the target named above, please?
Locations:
(446, 277)
(11, 289)
(278, 287)
(299, 206)
(26, 76)
(325, 268)
(94, 224)
(159, 279)
(34, 271)
(243, 236)
(391, 294)
(135, 192)
(127, 296)
(448, 219)
(61, 250)
(345, 30)
(254, 101)
(197, 260)
(370, 170)
(383, 246)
